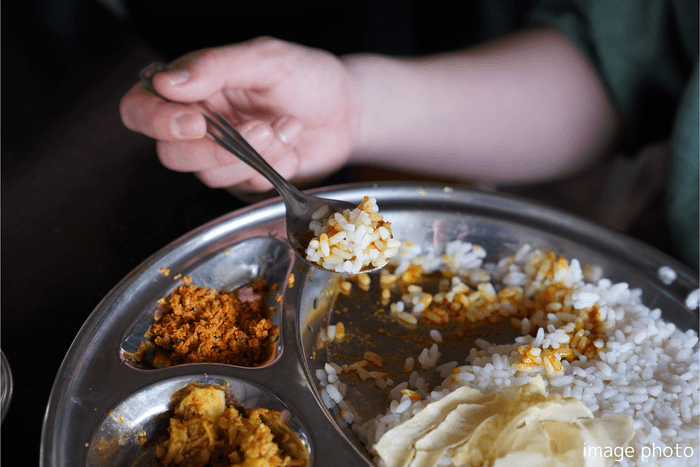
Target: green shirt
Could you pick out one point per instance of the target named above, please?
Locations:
(646, 52)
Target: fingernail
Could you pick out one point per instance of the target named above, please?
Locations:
(187, 126)
(288, 129)
(176, 77)
(256, 131)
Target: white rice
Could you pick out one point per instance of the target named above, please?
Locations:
(667, 275)
(351, 240)
(637, 364)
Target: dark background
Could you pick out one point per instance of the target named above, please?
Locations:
(85, 201)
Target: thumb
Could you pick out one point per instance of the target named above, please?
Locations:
(187, 80)
(257, 64)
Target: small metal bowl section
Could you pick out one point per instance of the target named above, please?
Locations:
(129, 433)
(226, 270)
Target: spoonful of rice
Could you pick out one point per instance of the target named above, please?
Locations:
(329, 234)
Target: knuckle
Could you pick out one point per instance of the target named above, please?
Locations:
(267, 42)
(160, 125)
(209, 58)
(184, 60)
(267, 46)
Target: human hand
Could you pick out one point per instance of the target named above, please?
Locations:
(293, 104)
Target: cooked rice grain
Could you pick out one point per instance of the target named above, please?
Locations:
(351, 240)
(600, 344)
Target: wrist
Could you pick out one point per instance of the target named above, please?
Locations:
(360, 91)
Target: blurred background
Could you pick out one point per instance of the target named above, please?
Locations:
(85, 201)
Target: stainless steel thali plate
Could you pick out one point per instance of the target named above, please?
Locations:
(102, 403)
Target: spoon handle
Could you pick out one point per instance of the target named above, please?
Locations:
(227, 137)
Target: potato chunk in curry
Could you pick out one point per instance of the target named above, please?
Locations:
(204, 431)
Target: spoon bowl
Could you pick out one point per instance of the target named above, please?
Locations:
(299, 206)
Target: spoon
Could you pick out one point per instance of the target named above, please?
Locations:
(299, 206)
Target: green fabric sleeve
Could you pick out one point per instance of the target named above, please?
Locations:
(646, 52)
(640, 50)
(682, 196)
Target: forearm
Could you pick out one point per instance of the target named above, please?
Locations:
(527, 107)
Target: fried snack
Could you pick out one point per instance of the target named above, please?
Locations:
(204, 431)
(199, 325)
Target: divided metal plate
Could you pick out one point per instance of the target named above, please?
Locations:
(102, 403)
